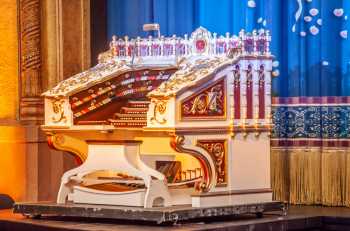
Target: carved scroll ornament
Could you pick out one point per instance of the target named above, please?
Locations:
(207, 104)
(160, 107)
(207, 165)
(217, 150)
(76, 147)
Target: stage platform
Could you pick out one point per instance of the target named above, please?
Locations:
(298, 218)
(156, 215)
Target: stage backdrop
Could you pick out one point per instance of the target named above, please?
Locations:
(310, 93)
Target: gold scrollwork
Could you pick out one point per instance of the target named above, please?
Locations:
(217, 150)
(209, 178)
(159, 109)
(77, 147)
(208, 103)
(57, 108)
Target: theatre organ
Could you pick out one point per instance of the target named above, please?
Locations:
(167, 121)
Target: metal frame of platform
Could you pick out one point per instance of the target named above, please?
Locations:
(161, 215)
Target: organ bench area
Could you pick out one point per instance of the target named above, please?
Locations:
(167, 121)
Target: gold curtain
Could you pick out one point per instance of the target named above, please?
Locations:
(311, 176)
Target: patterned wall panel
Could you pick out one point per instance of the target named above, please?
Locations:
(312, 120)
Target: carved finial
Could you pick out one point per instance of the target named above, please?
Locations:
(261, 31)
(242, 33)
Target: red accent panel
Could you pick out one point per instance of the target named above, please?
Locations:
(200, 45)
(261, 93)
(249, 93)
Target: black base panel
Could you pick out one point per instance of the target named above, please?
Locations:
(160, 215)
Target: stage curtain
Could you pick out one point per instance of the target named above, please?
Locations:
(310, 91)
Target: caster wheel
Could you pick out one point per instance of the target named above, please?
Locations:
(259, 214)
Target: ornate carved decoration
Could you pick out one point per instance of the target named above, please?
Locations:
(201, 38)
(217, 150)
(78, 148)
(57, 108)
(191, 72)
(209, 174)
(209, 103)
(237, 92)
(83, 80)
(159, 109)
(30, 47)
(30, 59)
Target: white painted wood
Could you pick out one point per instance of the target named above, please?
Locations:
(90, 196)
(122, 158)
(224, 200)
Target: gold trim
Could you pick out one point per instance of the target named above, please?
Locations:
(57, 108)
(61, 89)
(233, 192)
(203, 144)
(160, 108)
(116, 142)
(77, 147)
(185, 130)
(177, 143)
(224, 129)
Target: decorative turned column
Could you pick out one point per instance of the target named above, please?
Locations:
(31, 104)
(237, 92)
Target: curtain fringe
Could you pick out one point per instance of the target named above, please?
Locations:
(311, 176)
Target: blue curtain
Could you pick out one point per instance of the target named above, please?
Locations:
(309, 42)
(314, 60)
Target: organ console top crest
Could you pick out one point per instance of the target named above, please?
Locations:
(167, 121)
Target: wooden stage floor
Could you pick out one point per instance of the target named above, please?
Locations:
(298, 218)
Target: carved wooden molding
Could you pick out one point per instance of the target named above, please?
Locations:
(31, 104)
(46, 57)
(30, 47)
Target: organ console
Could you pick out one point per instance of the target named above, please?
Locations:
(167, 121)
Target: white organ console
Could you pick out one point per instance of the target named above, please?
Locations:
(167, 121)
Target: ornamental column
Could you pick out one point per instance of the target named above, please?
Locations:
(31, 104)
